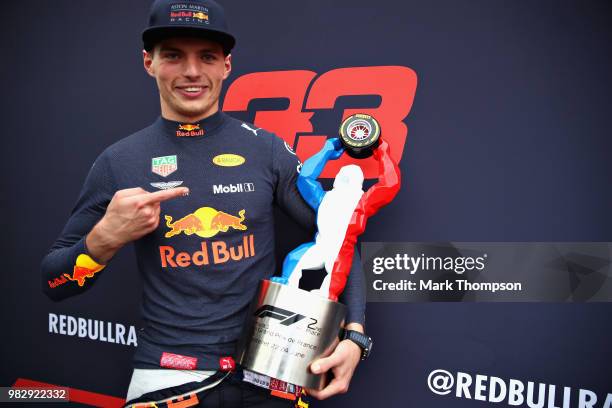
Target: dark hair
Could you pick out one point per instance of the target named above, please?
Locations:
(219, 38)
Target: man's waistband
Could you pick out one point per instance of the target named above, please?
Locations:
(149, 355)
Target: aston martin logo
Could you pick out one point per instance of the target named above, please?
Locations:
(167, 185)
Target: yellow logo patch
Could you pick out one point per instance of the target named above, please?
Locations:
(228, 160)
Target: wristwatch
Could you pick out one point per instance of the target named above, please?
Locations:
(363, 341)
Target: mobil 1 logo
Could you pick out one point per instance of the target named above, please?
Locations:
(233, 188)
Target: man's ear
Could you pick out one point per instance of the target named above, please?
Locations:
(147, 59)
(228, 66)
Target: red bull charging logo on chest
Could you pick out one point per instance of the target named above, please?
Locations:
(206, 222)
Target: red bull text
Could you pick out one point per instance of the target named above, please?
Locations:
(216, 252)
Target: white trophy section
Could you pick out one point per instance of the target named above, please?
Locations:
(333, 217)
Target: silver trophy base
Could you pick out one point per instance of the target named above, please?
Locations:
(287, 329)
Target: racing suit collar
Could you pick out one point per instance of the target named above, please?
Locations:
(193, 130)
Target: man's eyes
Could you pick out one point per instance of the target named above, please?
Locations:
(175, 56)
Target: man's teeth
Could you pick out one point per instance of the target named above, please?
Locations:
(193, 89)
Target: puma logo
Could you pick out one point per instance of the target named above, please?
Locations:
(250, 129)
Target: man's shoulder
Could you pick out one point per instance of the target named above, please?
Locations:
(133, 143)
(248, 129)
(257, 136)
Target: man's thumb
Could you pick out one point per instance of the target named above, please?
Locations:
(322, 365)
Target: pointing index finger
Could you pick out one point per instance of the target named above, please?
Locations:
(163, 195)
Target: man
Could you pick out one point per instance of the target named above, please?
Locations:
(200, 265)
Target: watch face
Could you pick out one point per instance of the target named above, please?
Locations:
(367, 349)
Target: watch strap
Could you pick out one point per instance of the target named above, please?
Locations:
(362, 340)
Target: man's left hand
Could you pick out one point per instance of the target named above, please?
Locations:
(342, 362)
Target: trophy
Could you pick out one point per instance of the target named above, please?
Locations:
(290, 327)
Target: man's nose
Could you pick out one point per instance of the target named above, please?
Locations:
(192, 67)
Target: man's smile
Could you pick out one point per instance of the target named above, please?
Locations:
(191, 91)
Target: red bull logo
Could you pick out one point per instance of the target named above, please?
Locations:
(84, 268)
(205, 222)
(200, 15)
(189, 127)
(57, 281)
(189, 130)
(216, 252)
(188, 16)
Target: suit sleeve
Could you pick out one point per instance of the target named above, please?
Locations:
(354, 295)
(286, 166)
(68, 269)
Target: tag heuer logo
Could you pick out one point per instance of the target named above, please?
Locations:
(164, 165)
(233, 188)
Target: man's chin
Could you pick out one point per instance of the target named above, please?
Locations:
(195, 112)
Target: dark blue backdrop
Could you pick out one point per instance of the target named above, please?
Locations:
(508, 141)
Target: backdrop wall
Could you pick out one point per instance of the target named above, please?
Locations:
(506, 139)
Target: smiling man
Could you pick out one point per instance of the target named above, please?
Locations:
(194, 192)
(189, 73)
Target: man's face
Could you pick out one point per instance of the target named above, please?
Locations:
(189, 74)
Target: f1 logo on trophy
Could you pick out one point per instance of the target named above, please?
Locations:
(291, 327)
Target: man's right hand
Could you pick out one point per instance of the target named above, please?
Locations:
(131, 214)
